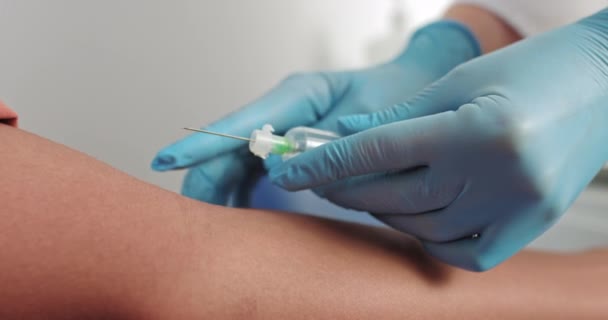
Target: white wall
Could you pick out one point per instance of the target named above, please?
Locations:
(117, 79)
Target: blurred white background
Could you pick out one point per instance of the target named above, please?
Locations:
(118, 79)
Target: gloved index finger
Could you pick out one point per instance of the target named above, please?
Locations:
(396, 146)
(195, 148)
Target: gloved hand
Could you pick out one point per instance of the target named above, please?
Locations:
(222, 169)
(484, 160)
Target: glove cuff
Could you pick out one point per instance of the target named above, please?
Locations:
(441, 45)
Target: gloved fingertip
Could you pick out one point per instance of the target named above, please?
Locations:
(464, 253)
(361, 122)
(348, 125)
(290, 179)
(272, 161)
(284, 177)
(163, 162)
(277, 175)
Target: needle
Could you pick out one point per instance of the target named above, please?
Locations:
(219, 134)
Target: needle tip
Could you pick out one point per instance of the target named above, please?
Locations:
(218, 134)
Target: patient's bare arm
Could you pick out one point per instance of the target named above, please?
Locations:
(80, 240)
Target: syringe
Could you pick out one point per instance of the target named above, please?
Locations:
(263, 142)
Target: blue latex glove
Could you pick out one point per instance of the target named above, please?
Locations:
(223, 169)
(484, 160)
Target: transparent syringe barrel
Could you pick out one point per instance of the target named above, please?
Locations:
(305, 138)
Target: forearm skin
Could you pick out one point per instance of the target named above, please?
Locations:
(81, 240)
